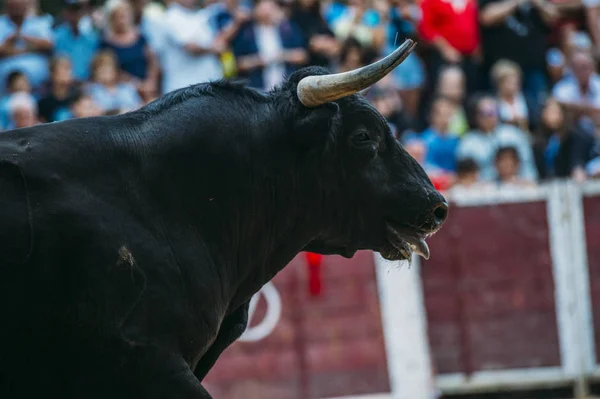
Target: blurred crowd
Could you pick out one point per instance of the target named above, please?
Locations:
(498, 92)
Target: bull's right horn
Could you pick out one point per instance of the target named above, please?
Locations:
(320, 89)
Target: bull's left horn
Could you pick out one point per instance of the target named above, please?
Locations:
(320, 89)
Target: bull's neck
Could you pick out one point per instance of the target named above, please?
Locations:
(246, 194)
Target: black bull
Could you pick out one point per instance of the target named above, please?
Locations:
(130, 245)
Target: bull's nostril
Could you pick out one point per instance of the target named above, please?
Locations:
(440, 213)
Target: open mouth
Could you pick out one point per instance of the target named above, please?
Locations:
(404, 242)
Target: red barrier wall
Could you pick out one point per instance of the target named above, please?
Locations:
(487, 314)
(591, 209)
(323, 347)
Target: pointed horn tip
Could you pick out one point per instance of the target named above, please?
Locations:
(408, 45)
(308, 97)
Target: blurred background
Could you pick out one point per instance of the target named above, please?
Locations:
(500, 103)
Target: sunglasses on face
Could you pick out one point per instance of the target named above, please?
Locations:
(487, 112)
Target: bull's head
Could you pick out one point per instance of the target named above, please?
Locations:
(378, 197)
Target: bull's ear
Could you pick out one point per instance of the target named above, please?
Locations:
(314, 127)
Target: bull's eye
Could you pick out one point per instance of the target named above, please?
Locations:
(362, 141)
(362, 138)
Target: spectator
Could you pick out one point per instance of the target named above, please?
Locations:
(25, 42)
(417, 148)
(61, 90)
(593, 168)
(452, 86)
(228, 18)
(488, 134)
(191, 51)
(507, 164)
(467, 180)
(353, 55)
(320, 41)
(513, 108)
(561, 148)
(452, 29)
(83, 106)
(516, 30)
(150, 26)
(16, 82)
(269, 47)
(576, 40)
(23, 110)
(387, 101)
(76, 38)
(409, 76)
(556, 64)
(441, 145)
(467, 173)
(579, 91)
(356, 20)
(137, 61)
(105, 89)
(570, 17)
(592, 16)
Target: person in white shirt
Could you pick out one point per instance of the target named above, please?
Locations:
(513, 109)
(579, 91)
(190, 52)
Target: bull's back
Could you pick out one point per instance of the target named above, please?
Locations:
(27, 157)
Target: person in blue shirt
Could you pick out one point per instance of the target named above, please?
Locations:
(76, 38)
(111, 95)
(441, 144)
(409, 76)
(26, 42)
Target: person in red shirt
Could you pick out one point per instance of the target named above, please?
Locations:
(451, 28)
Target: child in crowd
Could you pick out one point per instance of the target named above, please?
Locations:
(508, 163)
(452, 85)
(60, 91)
(512, 107)
(82, 106)
(16, 82)
(467, 178)
(467, 173)
(441, 144)
(23, 111)
(112, 96)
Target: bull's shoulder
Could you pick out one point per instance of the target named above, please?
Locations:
(16, 229)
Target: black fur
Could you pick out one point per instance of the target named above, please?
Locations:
(140, 238)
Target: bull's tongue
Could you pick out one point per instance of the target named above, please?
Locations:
(419, 246)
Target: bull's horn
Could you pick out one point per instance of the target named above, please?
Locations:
(320, 89)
